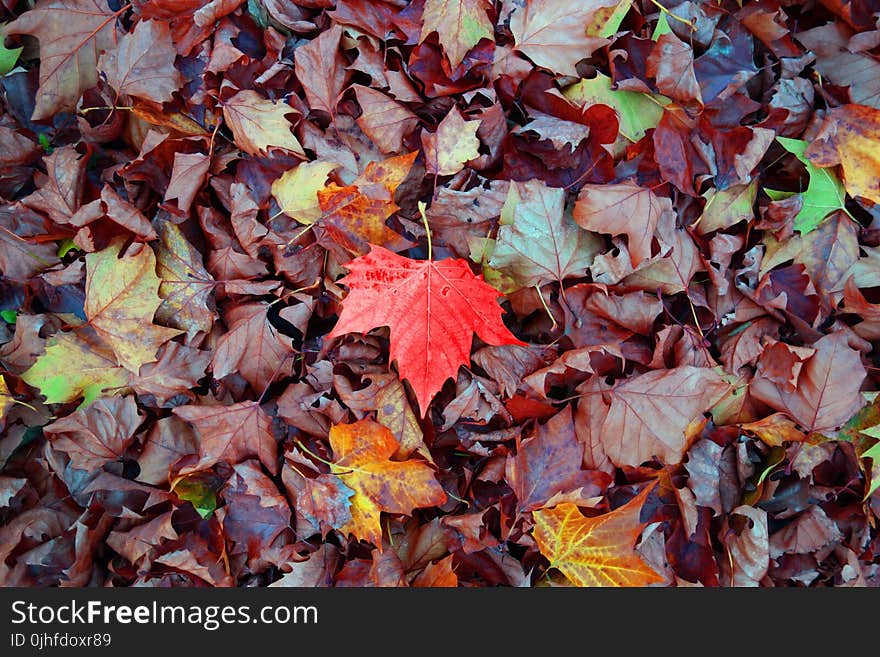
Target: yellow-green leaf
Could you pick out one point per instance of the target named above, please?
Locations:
(8, 56)
(297, 190)
(637, 112)
(122, 295)
(74, 365)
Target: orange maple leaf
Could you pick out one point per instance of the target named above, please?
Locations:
(355, 215)
(595, 551)
(362, 451)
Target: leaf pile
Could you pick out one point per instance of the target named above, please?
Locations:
(439, 293)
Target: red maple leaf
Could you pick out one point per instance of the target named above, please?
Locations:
(432, 308)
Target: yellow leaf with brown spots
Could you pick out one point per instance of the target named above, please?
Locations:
(454, 143)
(849, 137)
(363, 462)
(597, 551)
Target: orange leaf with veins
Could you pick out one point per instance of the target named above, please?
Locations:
(597, 551)
(363, 453)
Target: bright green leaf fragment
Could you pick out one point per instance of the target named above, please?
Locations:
(874, 455)
(76, 365)
(8, 56)
(661, 28)
(612, 24)
(638, 112)
(65, 246)
(8, 316)
(199, 493)
(824, 195)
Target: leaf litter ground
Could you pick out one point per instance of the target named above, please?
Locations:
(442, 293)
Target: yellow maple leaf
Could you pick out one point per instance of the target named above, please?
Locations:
(595, 551)
(297, 190)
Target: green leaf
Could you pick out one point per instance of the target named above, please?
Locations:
(638, 112)
(8, 56)
(824, 195)
(198, 491)
(874, 455)
(66, 246)
(9, 316)
(620, 11)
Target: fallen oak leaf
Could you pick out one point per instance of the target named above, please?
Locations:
(432, 308)
(596, 551)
